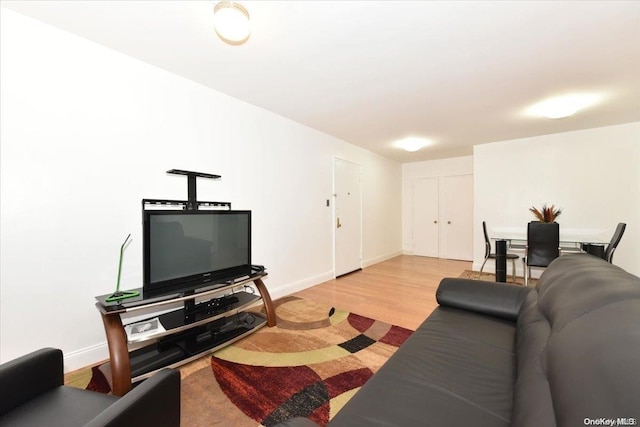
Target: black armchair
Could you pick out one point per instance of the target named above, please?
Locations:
(33, 393)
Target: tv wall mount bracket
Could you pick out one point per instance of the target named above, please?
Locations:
(191, 204)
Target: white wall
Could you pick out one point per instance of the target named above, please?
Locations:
(427, 169)
(593, 175)
(86, 133)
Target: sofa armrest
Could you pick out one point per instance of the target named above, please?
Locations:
(29, 376)
(297, 422)
(490, 298)
(154, 402)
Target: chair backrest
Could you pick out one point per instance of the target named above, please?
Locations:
(543, 242)
(487, 242)
(615, 239)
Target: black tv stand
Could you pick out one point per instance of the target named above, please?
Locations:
(186, 334)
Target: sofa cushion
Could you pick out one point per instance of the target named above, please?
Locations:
(532, 404)
(578, 345)
(490, 298)
(456, 367)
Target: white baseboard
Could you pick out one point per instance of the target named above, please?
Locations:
(290, 288)
(371, 261)
(85, 357)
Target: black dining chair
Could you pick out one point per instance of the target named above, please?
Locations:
(543, 246)
(489, 255)
(615, 239)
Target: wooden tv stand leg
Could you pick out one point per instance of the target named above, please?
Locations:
(118, 353)
(268, 305)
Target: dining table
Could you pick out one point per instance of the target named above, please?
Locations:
(572, 240)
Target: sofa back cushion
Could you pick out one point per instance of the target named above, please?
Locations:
(578, 345)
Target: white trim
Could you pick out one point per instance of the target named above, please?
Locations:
(407, 249)
(372, 261)
(85, 357)
(290, 288)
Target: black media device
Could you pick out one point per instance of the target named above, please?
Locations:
(184, 250)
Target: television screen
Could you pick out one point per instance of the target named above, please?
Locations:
(185, 249)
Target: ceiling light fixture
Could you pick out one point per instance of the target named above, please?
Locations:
(560, 107)
(412, 143)
(231, 22)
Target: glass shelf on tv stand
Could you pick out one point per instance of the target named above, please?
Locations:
(177, 320)
(146, 301)
(123, 360)
(148, 360)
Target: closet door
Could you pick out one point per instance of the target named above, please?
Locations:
(456, 217)
(443, 217)
(425, 217)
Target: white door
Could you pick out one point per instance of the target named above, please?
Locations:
(456, 217)
(425, 217)
(348, 217)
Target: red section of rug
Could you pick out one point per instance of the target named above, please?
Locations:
(346, 381)
(360, 323)
(396, 336)
(258, 391)
(98, 382)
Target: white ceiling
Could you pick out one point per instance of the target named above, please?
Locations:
(371, 72)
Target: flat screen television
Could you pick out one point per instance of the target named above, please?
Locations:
(184, 250)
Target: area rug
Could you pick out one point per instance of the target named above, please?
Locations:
(309, 365)
(468, 274)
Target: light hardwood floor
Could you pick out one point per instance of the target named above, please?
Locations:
(400, 291)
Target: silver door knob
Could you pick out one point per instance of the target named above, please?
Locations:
(448, 222)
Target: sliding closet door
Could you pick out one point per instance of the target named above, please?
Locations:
(443, 217)
(425, 217)
(456, 214)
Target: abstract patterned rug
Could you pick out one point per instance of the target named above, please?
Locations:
(468, 274)
(309, 365)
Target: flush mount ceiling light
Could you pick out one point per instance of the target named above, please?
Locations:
(563, 106)
(412, 143)
(231, 22)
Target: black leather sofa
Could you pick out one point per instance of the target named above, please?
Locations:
(566, 353)
(32, 394)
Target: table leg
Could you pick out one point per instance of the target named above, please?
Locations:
(501, 260)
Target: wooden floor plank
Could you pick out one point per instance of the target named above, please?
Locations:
(400, 291)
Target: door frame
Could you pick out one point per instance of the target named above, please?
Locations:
(334, 213)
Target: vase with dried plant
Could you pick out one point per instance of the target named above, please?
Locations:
(546, 214)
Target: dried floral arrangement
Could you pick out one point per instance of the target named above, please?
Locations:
(546, 214)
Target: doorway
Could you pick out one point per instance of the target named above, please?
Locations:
(347, 184)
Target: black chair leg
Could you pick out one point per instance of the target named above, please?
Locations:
(482, 268)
